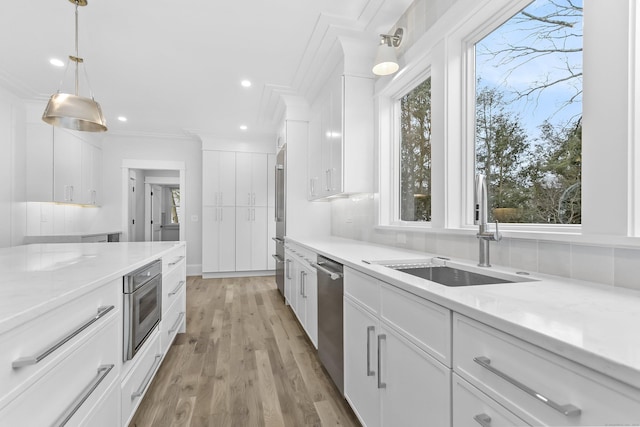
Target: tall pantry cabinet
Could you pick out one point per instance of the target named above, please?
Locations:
(235, 212)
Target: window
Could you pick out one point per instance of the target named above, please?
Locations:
(528, 132)
(415, 154)
(175, 206)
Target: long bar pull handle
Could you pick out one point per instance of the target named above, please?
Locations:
(568, 410)
(63, 419)
(32, 360)
(175, 291)
(176, 261)
(334, 275)
(381, 384)
(287, 269)
(483, 419)
(370, 329)
(176, 324)
(147, 378)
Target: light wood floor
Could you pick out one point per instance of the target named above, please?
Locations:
(244, 361)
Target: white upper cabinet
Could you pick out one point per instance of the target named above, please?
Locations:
(218, 178)
(341, 137)
(251, 179)
(62, 166)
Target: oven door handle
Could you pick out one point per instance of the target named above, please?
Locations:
(32, 360)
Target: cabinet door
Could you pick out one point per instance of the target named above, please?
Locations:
(326, 135)
(91, 188)
(39, 162)
(417, 388)
(210, 177)
(271, 180)
(244, 238)
(67, 171)
(360, 363)
(301, 303)
(336, 136)
(259, 238)
(314, 167)
(259, 179)
(243, 179)
(289, 278)
(311, 300)
(227, 238)
(227, 178)
(210, 239)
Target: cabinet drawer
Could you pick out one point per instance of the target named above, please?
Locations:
(106, 411)
(590, 397)
(172, 284)
(424, 323)
(56, 393)
(36, 344)
(471, 407)
(135, 384)
(173, 259)
(365, 289)
(173, 321)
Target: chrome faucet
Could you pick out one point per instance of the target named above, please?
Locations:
(480, 203)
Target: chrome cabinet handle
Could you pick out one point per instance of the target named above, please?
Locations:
(147, 379)
(32, 360)
(287, 269)
(63, 419)
(175, 291)
(370, 329)
(381, 384)
(303, 284)
(483, 419)
(334, 275)
(568, 410)
(176, 261)
(176, 324)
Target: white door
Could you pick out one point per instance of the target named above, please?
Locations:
(259, 179)
(417, 388)
(156, 211)
(210, 239)
(244, 237)
(360, 363)
(243, 179)
(259, 238)
(227, 238)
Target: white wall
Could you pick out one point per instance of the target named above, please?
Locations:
(117, 148)
(12, 169)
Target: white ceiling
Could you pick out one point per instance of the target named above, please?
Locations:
(173, 67)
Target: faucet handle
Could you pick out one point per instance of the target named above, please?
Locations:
(496, 235)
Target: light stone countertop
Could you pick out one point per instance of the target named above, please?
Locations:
(39, 277)
(595, 325)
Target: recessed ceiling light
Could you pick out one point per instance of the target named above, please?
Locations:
(243, 127)
(56, 62)
(245, 83)
(122, 118)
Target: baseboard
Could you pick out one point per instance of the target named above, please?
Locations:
(222, 275)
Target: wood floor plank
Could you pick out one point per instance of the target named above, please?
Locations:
(243, 361)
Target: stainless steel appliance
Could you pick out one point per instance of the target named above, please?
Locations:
(142, 306)
(330, 334)
(280, 215)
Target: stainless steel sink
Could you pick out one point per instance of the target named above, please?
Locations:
(449, 274)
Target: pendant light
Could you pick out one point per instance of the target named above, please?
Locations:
(386, 61)
(74, 111)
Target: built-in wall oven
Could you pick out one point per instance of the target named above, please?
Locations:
(142, 306)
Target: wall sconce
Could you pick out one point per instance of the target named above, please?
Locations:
(386, 60)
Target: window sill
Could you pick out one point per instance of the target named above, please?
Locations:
(569, 234)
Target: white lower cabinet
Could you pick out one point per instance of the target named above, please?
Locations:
(173, 320)
(106, 412)
(473, 408)
(538, 386)
(252, 232)
(71, 388)
(135, 384)
(218, 239)
(301, 289)
(389, 380)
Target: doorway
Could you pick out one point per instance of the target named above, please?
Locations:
(153, 200)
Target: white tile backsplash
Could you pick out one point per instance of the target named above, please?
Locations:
(524, 254)
(626, 268)
(554, 258)
(592, 263)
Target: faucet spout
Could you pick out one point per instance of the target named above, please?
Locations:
(480, 203)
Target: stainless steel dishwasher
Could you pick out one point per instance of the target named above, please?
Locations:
(330, 334)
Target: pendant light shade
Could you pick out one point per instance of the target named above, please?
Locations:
(74, 111)
(386, 61)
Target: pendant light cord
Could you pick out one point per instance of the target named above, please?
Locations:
(77, 55)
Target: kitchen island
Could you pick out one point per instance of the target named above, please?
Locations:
(553, 337)
(61, 330)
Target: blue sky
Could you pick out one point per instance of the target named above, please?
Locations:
(511, 74)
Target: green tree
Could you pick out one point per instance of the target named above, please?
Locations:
(501, 148)
(415, 154)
